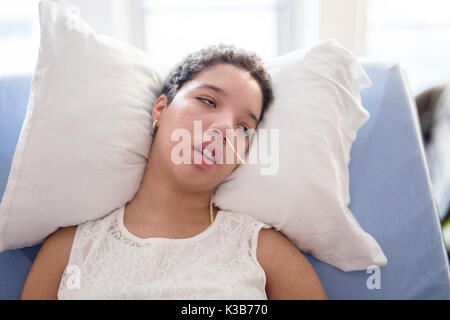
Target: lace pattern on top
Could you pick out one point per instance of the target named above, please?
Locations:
(108, 262)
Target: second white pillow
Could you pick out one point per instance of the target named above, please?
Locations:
(304, 191)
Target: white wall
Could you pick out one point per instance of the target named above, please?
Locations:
(299, 24)
(302, 22)
(344, 20)
(305, 22)
(116, 18)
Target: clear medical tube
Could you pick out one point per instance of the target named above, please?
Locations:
(237, 154)
(212, 196)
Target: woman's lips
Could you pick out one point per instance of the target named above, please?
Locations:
(206, 163)
(208, 145)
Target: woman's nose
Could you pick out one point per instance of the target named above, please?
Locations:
(222, 132)
(217, 132)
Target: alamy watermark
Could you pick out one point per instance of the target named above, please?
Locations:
(373, 281)
(73, 280)
(259, 152)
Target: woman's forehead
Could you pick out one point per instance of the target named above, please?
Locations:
(228, 80)
(225, 72)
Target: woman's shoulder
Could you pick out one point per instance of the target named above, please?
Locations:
(63, 238)
(58, 245)
(55, 254)
(49, 264)
(289, 274)
(100, 224)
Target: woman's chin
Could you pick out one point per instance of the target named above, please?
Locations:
(196, 173)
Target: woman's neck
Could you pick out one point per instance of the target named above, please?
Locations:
(160, 201)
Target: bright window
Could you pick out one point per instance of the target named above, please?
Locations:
(174, 28)
(19, 36)
(414, 32)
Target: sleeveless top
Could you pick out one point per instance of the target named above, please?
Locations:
(109, 262)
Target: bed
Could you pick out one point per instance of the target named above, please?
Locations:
(390, 188)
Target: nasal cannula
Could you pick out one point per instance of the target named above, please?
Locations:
(237, 154)
(212, 196)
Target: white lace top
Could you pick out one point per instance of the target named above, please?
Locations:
(109, 262)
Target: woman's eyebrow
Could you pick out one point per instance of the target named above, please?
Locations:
(222, 92)
(252, 115)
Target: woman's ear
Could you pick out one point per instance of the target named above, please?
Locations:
(159, 107)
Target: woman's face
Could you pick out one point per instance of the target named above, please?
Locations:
(222, 97)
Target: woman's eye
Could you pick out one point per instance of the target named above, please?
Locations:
(245, 129)
(207, 101)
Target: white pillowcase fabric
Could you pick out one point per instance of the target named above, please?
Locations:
(84, 144)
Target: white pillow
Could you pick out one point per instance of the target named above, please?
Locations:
(84, 143)
(87, 133)
(317, 111)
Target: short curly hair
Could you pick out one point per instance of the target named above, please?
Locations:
(196, 62)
